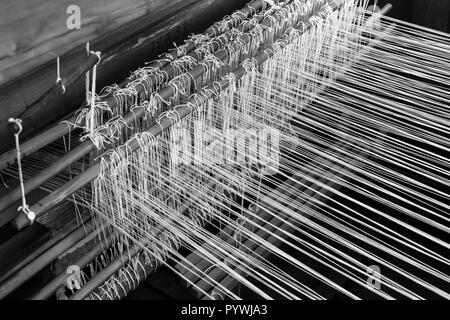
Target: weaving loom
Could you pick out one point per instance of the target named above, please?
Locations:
(295, 149)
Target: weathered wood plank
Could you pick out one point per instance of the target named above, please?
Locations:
(35, 32)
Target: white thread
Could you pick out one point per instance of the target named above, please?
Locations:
(58, 75)
(24, 207)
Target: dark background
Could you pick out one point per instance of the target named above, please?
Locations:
(429, 13)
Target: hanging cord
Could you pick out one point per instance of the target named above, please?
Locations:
(91, 127)
(94, 77)
(17, 129)
(58, 75)
(88, 74)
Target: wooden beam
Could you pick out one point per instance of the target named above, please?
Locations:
(35, 34)
(34, 267)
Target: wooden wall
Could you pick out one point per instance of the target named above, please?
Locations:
(35, 32)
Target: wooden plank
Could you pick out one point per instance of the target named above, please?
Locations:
(36, 32)
(34, 267)
(11, 212)
(20, 245)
